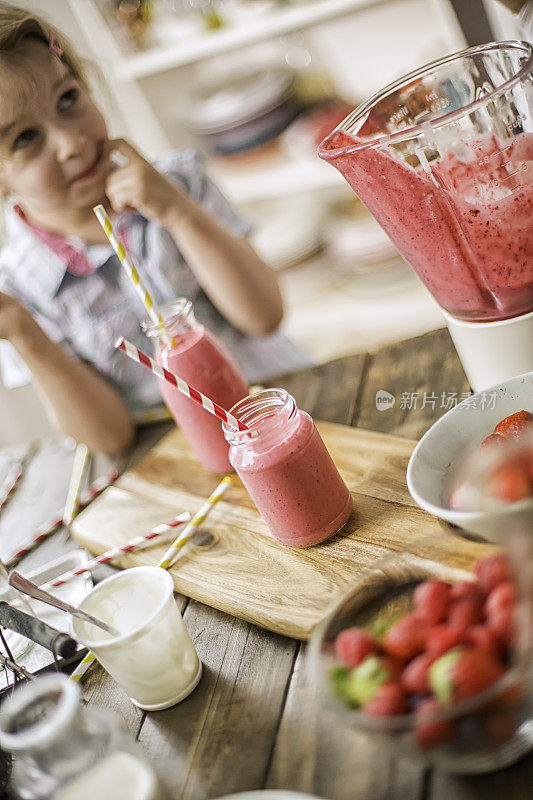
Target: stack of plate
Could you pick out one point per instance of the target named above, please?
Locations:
(359, 250)
(287, 230)
(242, 110)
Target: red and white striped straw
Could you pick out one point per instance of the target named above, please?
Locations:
(10, 481)
(56, 520)
(14, 475)
(109, 555)
(182, 386)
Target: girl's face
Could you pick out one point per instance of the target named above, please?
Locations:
(52, 135)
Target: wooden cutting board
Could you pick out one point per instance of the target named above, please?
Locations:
(242, 569)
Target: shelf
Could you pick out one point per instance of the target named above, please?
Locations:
(279, 176)
(213, 43)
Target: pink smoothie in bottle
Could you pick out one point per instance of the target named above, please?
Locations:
(287, 469)
(465, 226)
(204, 362)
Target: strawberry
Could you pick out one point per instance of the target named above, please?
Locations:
(462, 498)
(465, 613)
(394, 666)
(442, 638)
(483, 638)
(463, 673)
(491, 571)
(429, 732)
(491, 440)
(519, 428)
(353, 645)
(510, 425)
(407, 637)
(432, 599)
(503, 595)
(474, 672)
(500, 623)
(414, 678)
(389, 699)
(463, 589)
(511, 482)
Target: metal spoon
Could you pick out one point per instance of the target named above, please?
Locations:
(18, 581)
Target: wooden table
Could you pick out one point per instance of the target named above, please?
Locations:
(253, 722)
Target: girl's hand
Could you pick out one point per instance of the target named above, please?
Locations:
(16, 322)
(138, 186)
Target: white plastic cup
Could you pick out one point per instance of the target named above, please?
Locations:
(153, 659)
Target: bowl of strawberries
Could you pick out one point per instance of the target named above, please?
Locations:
(431, 666)
(495, 425)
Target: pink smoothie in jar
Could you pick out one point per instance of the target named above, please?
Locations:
(466, 229)
(197, 356)
(287, 469)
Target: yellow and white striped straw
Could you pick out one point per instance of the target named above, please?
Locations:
(191, 527)
(148, 416)
(82, 667)
(131, 269)
(79, 469)
(171, 554)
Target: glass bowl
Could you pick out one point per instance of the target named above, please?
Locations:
(487, 732)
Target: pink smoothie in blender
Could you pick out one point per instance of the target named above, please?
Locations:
(198, 357)
(466, 231)
(443, 158)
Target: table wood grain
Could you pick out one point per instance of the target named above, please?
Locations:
(253, 722)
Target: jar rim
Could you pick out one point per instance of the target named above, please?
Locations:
(180, 307)
(47, 728)
(257, 406)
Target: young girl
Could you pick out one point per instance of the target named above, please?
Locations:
(65, 296)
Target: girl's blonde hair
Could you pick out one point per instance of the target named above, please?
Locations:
(17, 25)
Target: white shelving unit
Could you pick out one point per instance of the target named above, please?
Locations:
(130, 74)
(127, 70)
(214, 43)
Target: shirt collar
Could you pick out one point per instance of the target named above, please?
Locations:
(33, 254)
(29, 255)
(72, 254)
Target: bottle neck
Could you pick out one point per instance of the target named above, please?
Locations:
(178, 322)
(270, 415)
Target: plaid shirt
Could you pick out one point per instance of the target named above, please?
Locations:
(83, 299)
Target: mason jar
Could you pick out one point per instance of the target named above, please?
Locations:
(63, 751)
(287, 470)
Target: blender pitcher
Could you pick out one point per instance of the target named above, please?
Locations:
(443, 158)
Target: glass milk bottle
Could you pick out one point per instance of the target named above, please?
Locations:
(287, 469)
(63, 751)
(189, 350)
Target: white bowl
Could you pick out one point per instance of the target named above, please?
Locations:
(431, 468)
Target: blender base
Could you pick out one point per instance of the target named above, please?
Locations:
(492, 352)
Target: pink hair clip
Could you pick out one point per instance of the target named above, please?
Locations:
(55, 45)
